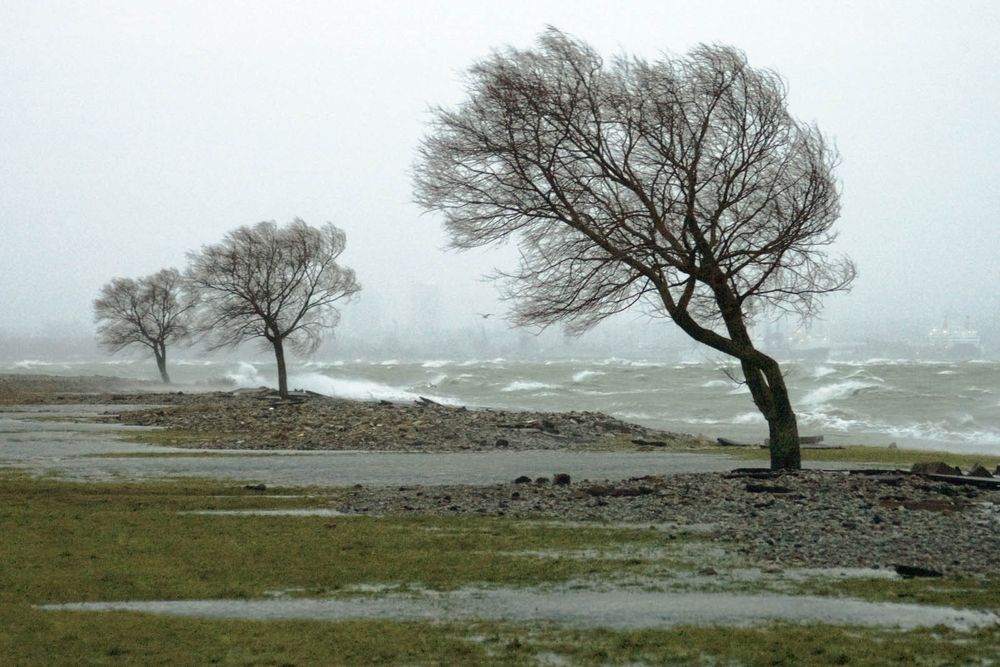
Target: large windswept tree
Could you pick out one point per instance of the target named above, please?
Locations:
(153, 311)
(683, 184)
(279, 284)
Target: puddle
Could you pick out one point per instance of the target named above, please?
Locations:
(278, 512)
(622, 609)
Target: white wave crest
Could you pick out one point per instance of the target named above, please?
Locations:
(749, 418)
(357, 389)
(836, 391)
(583, 375)
(527, 385)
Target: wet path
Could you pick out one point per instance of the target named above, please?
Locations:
(86, 451)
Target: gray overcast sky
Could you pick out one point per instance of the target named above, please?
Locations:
(131, 132)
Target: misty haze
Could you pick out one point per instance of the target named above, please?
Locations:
(404, 252)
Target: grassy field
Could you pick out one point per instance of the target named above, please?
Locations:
(897, 458)
(66, 541)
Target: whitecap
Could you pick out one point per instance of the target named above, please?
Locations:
(357, 389)
(583, 375)
(527, 385)
(748, 418)
(836, 391)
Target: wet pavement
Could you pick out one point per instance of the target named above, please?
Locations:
(32, 439)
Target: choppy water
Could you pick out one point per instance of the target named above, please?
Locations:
(947, 405)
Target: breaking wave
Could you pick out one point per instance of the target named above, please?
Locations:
(358, 389)
(528, 385)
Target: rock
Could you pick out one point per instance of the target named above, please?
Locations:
(911, 571)
(542, 480)
(501, 442)
(523, 479)
(979, 470)
(934, 468)
(563, 479)
(648, 443)
(767, 488)
(256, 487)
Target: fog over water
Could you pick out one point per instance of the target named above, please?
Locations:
(131, 133)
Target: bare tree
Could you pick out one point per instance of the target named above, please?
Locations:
(275, 283)
(682, 184)
(153, 311)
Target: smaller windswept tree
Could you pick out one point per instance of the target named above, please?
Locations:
(153, 311)
(275, 283)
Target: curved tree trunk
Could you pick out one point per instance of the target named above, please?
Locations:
(161, 363)
(762, 374)
(770, 395)
(279, 357)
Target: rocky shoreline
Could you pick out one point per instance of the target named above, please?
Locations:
(259, 420)
(803, 519)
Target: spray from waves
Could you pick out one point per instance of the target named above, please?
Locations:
(822, 372)
(716, 383)
(837, 391)
(584, 375)
(358, 389)
(436, 379)
(435, 363)
(245, 375)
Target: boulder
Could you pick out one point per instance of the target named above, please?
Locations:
(523, 479)
(911, 571)
(934, 468)
(563, 479)
(979, 470)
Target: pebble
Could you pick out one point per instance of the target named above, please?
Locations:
(825, 519)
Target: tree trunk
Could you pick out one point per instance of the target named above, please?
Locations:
(161, 363)
(279, 357)
(767, 386)
(784, 434)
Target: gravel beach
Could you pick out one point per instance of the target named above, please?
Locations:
(808, 518)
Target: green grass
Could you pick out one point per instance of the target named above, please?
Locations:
(866, 454)
(962, 593)
(32, 637)
(65, 541)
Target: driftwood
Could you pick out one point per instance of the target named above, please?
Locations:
(805, 442)
(726, 442)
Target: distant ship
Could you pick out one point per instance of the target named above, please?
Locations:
(955, 342)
